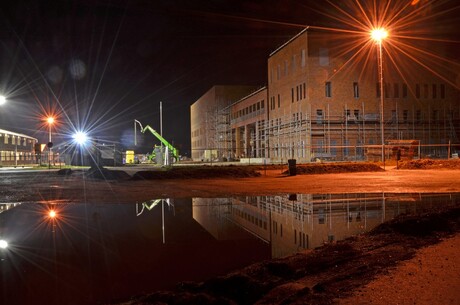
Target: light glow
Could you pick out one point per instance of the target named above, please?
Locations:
(2, 100)
(3, 244)
(50, 120)
(80, 137)
(52, 214)
(379, 34)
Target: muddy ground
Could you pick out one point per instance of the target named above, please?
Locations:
(331, 274)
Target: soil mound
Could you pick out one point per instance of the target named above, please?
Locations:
(334, 168)
(198, 172)
(430, 164)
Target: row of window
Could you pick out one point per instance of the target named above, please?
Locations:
(284, 71)
(248, 110)
(15, 140)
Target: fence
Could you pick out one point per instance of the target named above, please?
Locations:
(280, 155)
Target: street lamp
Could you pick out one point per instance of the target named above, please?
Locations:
(50, 121)
(2, 100)
(378, 35)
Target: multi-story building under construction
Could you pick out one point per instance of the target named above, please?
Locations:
(323, 100)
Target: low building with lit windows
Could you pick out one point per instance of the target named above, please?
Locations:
(16, 149)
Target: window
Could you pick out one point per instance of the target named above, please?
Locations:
(304, 91)
(425, 90)
(258, 105)
(328, 89)
(387, 90)
(396, 90)
(278, 73)
(323, 57)
(417, 90)
(279, 101)
(418, 116)
(303, 58)
(292, 95)
(6, 139)
(262, 104)
(434, 91)
(286, 68)
(378, 89)
(394, 116)
(405, 116)
(355, 90)
(435, 116)
(404, 90)
(356, 113)
(442, 90)
(319, 116)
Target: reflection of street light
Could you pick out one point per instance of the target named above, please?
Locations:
(378, 35)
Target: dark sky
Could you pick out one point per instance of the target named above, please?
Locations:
(101, 64)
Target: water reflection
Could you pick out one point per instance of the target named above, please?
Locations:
(303, 221)
(93, 253)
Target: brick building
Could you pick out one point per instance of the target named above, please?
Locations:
(323, 101)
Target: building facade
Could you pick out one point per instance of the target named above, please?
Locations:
(323, 101)
(209, 119)
(16, 148)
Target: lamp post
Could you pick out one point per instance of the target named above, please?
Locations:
(378, 35)
(50, 121)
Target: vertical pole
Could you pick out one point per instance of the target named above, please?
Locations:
(382, 128)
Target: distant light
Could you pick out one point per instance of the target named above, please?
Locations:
(50, 120)
(2, 100)
(80, 137)
(379, 34)
(52, 214)
(3, 244)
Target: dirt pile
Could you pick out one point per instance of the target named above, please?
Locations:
(322, 275)
(430, 164)
(198, 172)
(333, 168)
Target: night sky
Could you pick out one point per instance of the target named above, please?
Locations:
(98, 65)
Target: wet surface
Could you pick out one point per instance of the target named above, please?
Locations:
(92, 253)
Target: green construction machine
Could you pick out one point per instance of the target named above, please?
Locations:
(170, 150)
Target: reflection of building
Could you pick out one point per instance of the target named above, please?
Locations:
(16, 148)
(7, 206)
(322, 102)
(299, 222)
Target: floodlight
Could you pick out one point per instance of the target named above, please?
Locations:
(3, 244)
(2, 100)
(80, 137)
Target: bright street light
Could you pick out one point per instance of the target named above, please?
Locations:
(378, 35)
(2, 100)
(50, 121)
(80, 137)
(3, 244)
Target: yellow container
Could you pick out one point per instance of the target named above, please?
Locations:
(129, 156)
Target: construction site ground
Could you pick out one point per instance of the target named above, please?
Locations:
(410, 260)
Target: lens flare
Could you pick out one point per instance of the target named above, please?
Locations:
(3, 244)
(379, 34)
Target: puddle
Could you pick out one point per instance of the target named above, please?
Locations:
(93, 253)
